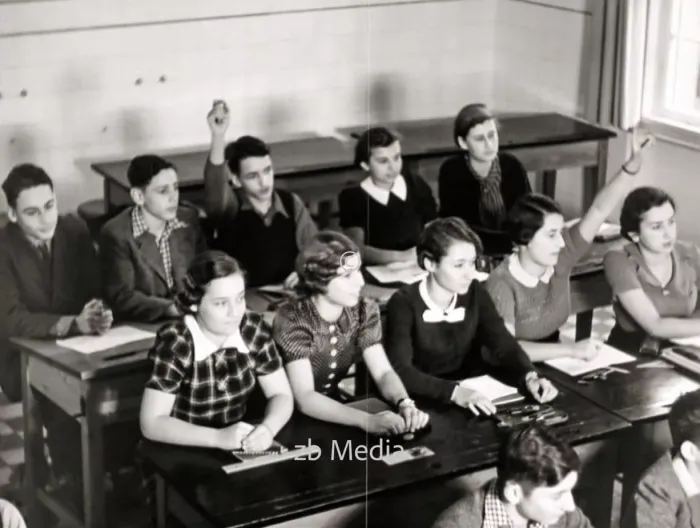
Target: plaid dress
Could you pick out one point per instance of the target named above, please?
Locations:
(212, 391)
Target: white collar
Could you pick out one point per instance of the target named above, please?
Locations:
(432, 306)
(399, 190)
(203, 347)
(523, 277)
(684, 477)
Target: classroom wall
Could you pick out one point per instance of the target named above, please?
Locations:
(86, 79)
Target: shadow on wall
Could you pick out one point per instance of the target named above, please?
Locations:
(22, 148)
(384, 100)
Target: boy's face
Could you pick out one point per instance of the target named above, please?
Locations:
(257, 178)
(36, 212)
(546, 505)
(384, 164)
(161, 196)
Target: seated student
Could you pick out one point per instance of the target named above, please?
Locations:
(530, 288)
(655, 277)
(145, 249)
(385, 214)
(536, 474)
(206, 365)
(436, 328)
(49, 288)
(328, 329)
(263, 228)
(482, 184)
(668, 493)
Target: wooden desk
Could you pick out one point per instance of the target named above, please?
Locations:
(321, 491)
(543, 142)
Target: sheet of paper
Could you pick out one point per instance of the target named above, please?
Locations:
(406, 272)
(607, 356)
(489, 387)
(118, 335)
(691, 341)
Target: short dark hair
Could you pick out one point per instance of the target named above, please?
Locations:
(470, 116)
(203, 269)
(527, 216)
(375, 137)
(244, 147)
(143, 169)
(535, 457)
(317, 264)
(21, 178)
(637, 203)
(439, 234)
(684, 419)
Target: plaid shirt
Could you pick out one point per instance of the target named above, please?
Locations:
(211, 389)
(495, 514)
(139, 227)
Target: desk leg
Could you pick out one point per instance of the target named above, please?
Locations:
(107, 189)
(549, 182)
(35, 469)
(594, 177)
(584, 325)
(161, 502)
(93, 463)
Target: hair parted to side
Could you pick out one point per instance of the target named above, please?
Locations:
(318, 263)
(203, 269)
(22, 177)
(637, 203)
(142, 169)
(439, 234)
(244, 147)
(527, 216)
(684, 419)
(375, 137)
(470, 116)
(533, 456)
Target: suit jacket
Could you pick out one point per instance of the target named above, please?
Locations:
(31, 303)
(133, 276)
(660, 500)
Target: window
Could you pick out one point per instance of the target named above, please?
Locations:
(672, 83)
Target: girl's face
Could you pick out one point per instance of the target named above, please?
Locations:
(456, 269)
(545, 246)
(223, 305)
(345, 289)
(657, 229)
(482, 141)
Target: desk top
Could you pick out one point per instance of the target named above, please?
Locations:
(644, 394)
(434, 136)
(290, 158)
(296, 488)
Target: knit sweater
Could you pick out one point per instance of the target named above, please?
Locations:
(433, 357)
(469, 513)
(537, 310)
(660, 500)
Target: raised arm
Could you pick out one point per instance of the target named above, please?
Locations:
(219, 198)
(615, 190)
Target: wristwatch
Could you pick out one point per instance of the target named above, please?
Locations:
(405, 402)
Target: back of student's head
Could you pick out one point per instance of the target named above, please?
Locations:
(375, 137)
(244, 147)
(527, 216)
(203, 269)
(468, 117)
(143, 169)
(637, 203)
(534, 457)
(439, 234)
(21, 178)
(322, 259)
(684, 419)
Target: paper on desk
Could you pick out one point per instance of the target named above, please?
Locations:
(607, 356)
(118, 335)
(274, 288)
(489, 387)
(406, 272)
(690, 341)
